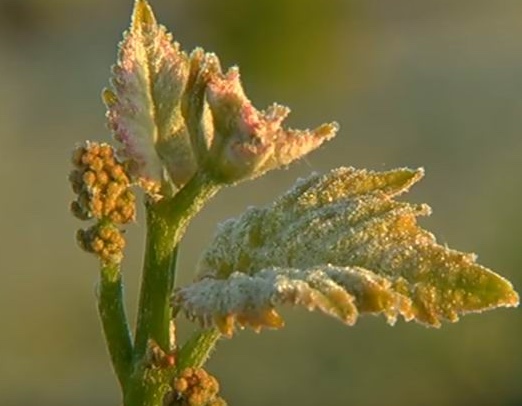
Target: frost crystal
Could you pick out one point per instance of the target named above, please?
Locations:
(341, 244)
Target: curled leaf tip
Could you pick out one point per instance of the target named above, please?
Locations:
(142, 15)
(327, 131)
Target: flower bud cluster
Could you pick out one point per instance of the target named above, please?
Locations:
(104, 240)
(194, 387)
(102, 185)
(103, 192)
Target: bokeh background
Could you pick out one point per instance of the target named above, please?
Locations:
(433, 83)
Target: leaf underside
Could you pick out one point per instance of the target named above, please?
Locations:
(341, 244)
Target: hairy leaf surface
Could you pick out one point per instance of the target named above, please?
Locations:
(342, 244)
(143, 107)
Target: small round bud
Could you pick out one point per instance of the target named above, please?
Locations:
(180, 385)
(117, 172)
(97, 245)
(109, 206)
(102, 178)
(97, 164)
(93, 148)
(96, 206)
(75, 178)
(86, 159)
(127, 213)
(89, 178)
(78, 211)
(105, 233)
(197, 398)
(114, 189)
(116, 217)
(77, 155)
(82, 238)
(106, 151)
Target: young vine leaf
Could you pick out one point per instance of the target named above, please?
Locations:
(339, 243)
(177, 114)
(144, 104)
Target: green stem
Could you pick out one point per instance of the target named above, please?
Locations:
(167, 221)
(197, 349)
(114, 321)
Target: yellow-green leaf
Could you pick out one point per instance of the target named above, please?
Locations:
(342, 244)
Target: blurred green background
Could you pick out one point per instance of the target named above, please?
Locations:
(433, 83)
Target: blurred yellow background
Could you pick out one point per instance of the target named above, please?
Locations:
(433, 83)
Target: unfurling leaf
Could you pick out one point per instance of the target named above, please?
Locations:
(143, 107)
(341, 244)
(176, 114)
(233, 140)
